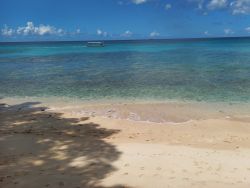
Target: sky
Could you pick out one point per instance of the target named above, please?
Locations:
(31, 20)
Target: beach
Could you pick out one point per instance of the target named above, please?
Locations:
(125, 94)
(46, 144)
(146, 113)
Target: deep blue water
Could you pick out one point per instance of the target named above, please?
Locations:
(202, 70)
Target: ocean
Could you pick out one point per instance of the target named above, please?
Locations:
(216, 70)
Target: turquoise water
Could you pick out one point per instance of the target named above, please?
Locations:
(200, 70)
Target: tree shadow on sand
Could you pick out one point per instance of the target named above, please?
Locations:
(42, 149)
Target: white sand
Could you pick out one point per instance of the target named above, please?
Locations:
(61, 147)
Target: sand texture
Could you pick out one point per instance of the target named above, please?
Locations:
(44, 145)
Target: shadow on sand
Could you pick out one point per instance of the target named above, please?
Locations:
(42, 149)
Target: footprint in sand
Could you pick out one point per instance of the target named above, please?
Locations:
(158, 168)
(126, 164)
(125, 173)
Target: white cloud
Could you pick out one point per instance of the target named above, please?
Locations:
(31, 29)
(206, 33)
(235, 6)
(217, 4)
(127, 34)
(60, 32)
(7, 31)
(45, 29)
(240, 6)
(137, 2)
(247, 29)
(228, 31)
(168, 6)
(154, 34)
(101, 33)
(78, 31)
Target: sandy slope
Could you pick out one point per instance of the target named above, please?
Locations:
(40, 147)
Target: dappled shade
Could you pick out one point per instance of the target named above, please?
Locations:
(44, 149)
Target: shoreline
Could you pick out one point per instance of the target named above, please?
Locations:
(60, 147)
(169, 111)
(67, 99)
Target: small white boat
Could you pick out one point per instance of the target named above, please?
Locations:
(95, 44)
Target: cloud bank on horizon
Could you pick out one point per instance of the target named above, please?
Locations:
(125, 19)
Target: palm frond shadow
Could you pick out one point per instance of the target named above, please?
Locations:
(65, 151)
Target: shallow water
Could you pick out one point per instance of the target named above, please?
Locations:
(197, 70)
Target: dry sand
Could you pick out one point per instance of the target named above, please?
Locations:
(123, 145)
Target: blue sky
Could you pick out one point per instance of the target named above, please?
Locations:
(23, 20)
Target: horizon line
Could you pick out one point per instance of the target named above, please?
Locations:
(143, 39)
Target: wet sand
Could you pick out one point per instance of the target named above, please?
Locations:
(123, 145)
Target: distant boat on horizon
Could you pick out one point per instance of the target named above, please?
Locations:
(95, 44)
